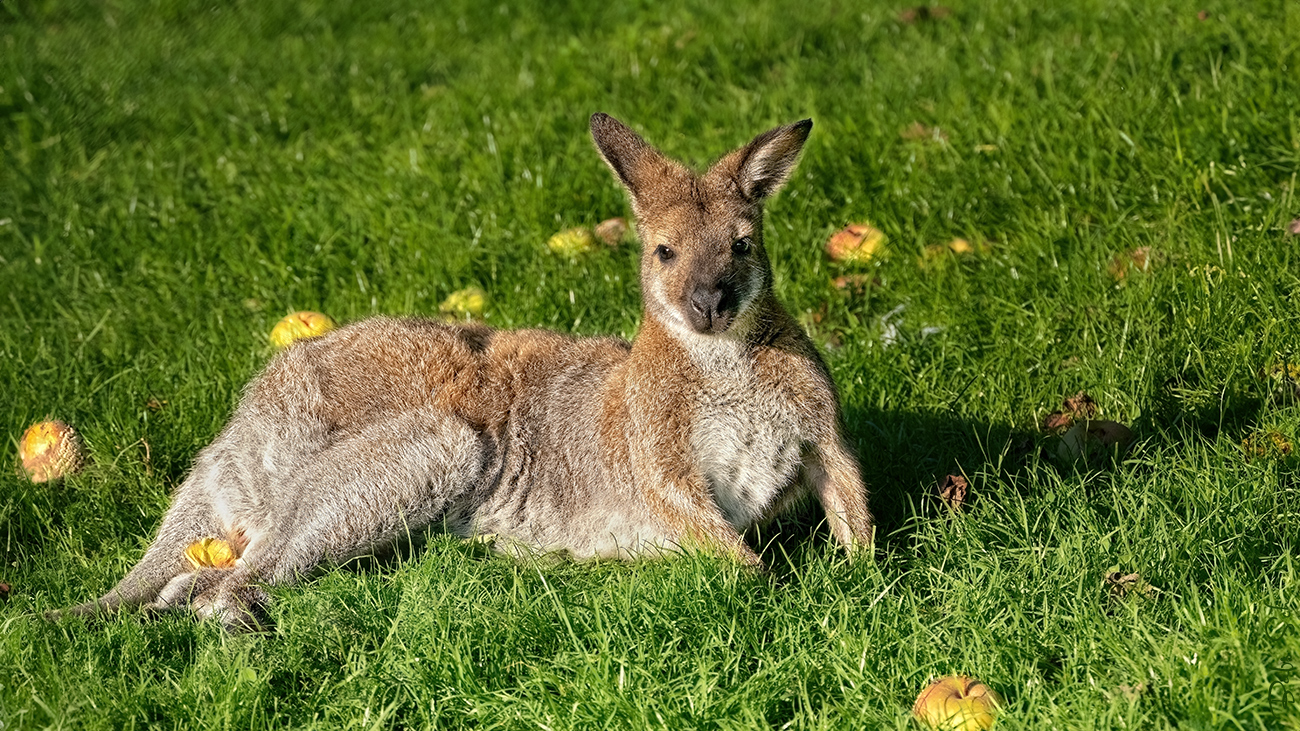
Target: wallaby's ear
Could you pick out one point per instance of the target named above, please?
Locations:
(764, 165)
(631, 158)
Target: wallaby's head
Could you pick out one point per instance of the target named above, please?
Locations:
(703, 264)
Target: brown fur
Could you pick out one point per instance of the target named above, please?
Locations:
(719, 416)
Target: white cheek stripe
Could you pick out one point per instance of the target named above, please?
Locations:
(702, 345)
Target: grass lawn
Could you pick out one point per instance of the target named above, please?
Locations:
(176, 176)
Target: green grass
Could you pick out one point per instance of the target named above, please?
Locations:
(176, 176)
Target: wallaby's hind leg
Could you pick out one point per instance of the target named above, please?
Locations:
(361, 494)
(190, 518)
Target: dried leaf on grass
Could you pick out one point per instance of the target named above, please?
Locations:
(1073, 408)
(1137, 260)
(611, 231)
(1293, 228)
(917, 132)
(953, 490)
(958, 247)
(4, 590)
(1267, 444)
(1094, 441)
(1122, 585)
(1133, 692)
(921, 13)
(855, 283)
(1285, 379)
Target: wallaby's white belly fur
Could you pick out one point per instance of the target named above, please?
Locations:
(748, 446)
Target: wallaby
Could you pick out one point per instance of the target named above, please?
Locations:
(717, 417)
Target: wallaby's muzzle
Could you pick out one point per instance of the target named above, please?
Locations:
(712, 308)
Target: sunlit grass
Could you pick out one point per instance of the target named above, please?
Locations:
(175, 177)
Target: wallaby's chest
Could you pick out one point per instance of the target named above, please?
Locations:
(748, 443)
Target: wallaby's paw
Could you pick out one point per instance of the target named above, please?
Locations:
(239, 609)
(180, 590)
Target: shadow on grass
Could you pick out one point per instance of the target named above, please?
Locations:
(904, 456)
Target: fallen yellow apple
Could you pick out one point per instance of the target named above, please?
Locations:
(572, 242)
(212, 553)
(464, 304)
(960, 246)
(957, 703)
(855, 243)
(300, 325)
(50, 450)
(1094, 441)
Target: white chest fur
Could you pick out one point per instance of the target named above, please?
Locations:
(746, 439)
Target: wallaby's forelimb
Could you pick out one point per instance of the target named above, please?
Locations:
(834, 476)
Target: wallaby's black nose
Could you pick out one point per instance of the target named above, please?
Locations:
(705, 304)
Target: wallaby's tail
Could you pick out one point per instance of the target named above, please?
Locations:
(163, 561)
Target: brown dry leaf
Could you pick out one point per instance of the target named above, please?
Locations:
(155, 404)
(1285, 378)
(936, 254)
(1132, 692)
(856, 283)
(952, 491)
(1203, 16)
(1056, 420)
(917, 132)
(1293, 228)
(611, 231)
(1121, 585)
(4, 590)
(1138, 259)
(1078, 406)
(922, 13)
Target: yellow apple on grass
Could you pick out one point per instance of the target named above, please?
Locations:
(957, 703)
(1094, 441)
(464, 304)
(211, 553)
(51, 450)
(572, 242)
(299, 325)
(856, 243)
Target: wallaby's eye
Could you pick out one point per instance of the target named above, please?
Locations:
(741, 246)
(664, 253)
